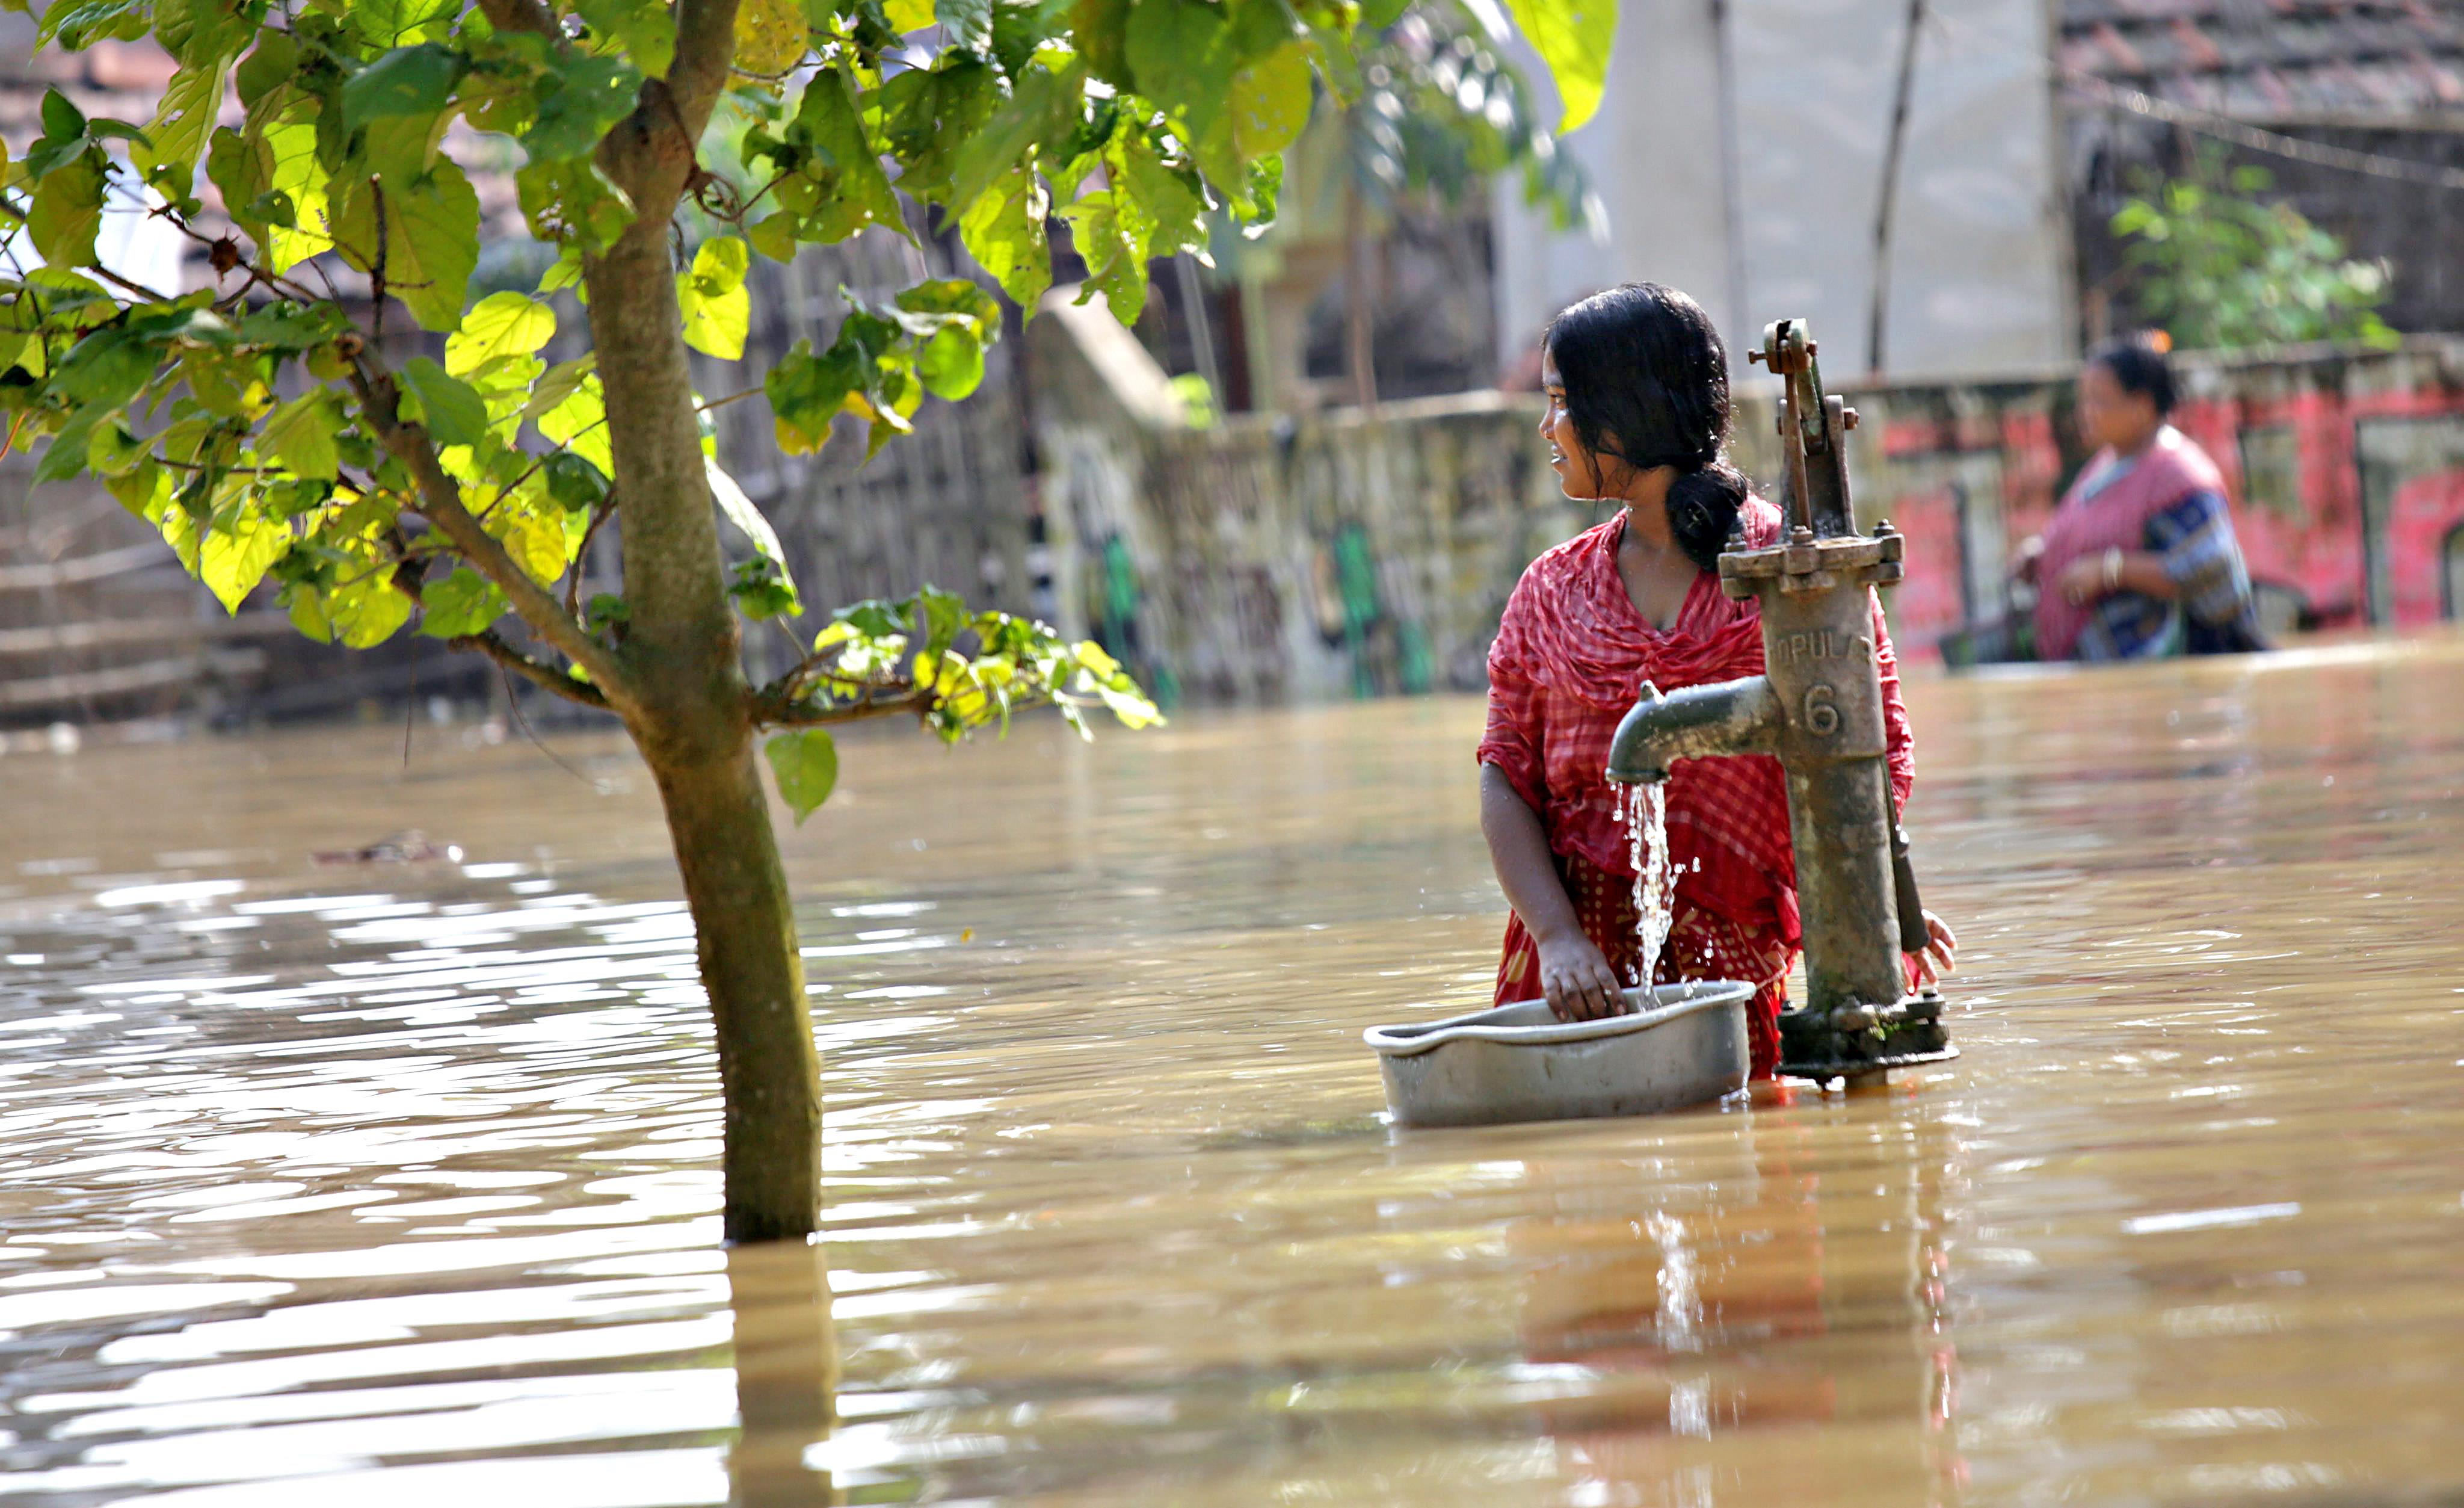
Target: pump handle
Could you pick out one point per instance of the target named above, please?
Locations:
(1903, 886)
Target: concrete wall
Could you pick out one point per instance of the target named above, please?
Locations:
(1280, 559)
(1738, 154)
(1350, 554)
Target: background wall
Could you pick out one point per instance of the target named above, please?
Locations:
(1358, 554)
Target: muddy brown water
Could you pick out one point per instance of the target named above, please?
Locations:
(392, 1184)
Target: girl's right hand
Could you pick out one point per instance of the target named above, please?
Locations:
(2023, 565)
(1579, 983)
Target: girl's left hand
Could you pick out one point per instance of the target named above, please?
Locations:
(2083, 581)
(1941, 952)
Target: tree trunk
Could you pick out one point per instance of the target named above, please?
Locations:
(744, 928)
(696, 731)
(1360, 339)
(786, 1375)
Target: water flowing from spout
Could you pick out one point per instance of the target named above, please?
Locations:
(1654, 885)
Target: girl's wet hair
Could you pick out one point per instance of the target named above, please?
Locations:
(2137, 364)
(1647, 382)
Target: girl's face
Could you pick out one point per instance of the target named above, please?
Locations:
(2109, 415)
(1576, 465)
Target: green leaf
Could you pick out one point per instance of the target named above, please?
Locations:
(749, 523)
(179, 530)
(642, 27)
(575, 483)
(771, 36)
(531, 526)
(587, 96)
(181, 123)
(578, 421)
(413, 81)
(1182, 55)
(1258, 199)
(950, 364)
(432, 240)
(929, 114)
(717, 309)
(968, 24)
(1097, 28)
(1270, 101)
(936, 303)
(236, 556)
(274, 63)
(62, 120)
(807, 391)
(105, 369)
(775, 236)
(560, 383)
(806, 765)
(908, 15)
(144, 490)
(762, 591)
(1041, 105)
(77, 24)
(67, 211)
(1003, 230)
(301, 435)
(573, 204)
(391, 23)
(500, 324)
(1171, 202)
(1572, 37)
(66, 455)
(462, 603)
(296, 174)
(366, 611)
(1110, 233)
(857, 191)
(454, 412)
(305, 606)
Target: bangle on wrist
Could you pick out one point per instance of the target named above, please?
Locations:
(2112, 568)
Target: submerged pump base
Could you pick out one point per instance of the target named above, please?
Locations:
(1854, 1042)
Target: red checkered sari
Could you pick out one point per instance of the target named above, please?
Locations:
(1572, 654)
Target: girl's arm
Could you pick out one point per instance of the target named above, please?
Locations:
(1574, 972)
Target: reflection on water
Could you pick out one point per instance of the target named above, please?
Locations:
(397, 1183)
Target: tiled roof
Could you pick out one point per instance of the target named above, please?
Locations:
(2357, 61)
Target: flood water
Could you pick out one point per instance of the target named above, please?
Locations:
(389, 1183)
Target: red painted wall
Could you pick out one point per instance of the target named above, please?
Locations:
(2304, 531)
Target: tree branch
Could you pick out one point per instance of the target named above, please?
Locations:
(546, 676)
(789, 689)
(599, 515)
(814, 715)
(440, 503)
(705, 51)
(652, 154)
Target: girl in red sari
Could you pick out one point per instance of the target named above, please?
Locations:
(1638, 391)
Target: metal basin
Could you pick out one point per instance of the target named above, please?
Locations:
(1684, 1043)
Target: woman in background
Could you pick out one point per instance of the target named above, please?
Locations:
(1638, 389)
(2139, 561)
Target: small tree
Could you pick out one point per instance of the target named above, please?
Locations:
(265, 429)
(2218, 266)
(1439, 112)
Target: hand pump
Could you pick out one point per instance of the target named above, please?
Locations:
(1818, 707)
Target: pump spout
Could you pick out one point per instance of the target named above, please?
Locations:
(1734, 717)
